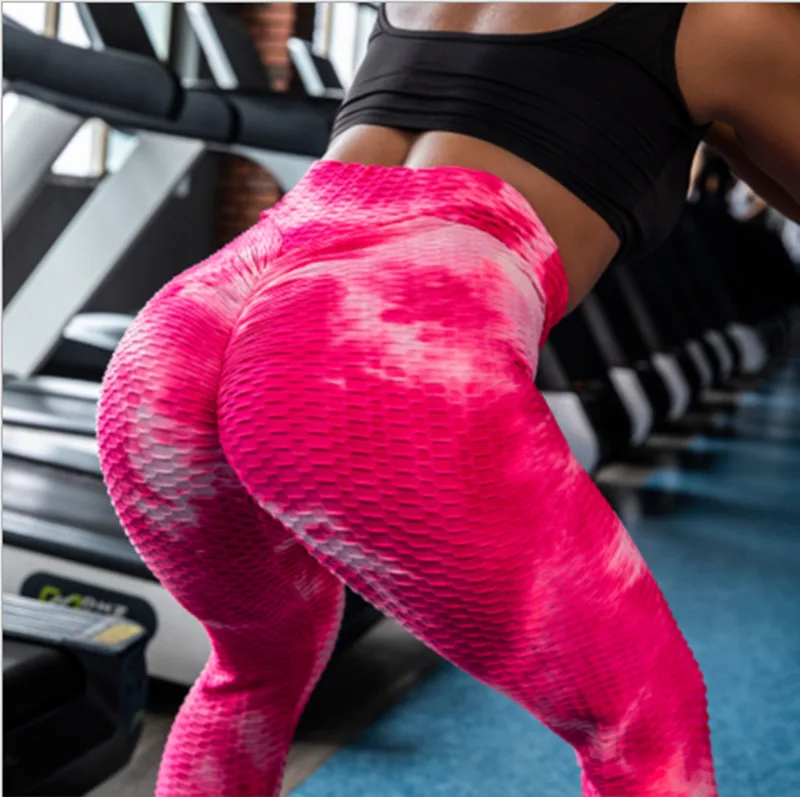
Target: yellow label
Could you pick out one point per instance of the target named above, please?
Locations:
(117, 633)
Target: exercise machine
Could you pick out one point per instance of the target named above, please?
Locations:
(75, 691)
(57, 517)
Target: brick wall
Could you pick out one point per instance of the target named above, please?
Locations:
(244, 189)
(270, 25)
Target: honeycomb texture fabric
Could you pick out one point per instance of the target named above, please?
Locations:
(346, 394)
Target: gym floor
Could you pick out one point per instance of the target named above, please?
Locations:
(717, 516)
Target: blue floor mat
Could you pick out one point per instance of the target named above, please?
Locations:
(728, 561)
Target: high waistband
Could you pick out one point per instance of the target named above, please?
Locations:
(335, 200)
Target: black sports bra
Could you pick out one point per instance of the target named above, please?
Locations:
(596, 106)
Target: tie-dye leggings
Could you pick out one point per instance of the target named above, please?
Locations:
(346, 394)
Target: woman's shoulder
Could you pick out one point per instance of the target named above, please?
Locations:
(726, 51)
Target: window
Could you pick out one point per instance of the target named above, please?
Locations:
(157, 18)
(342, 32)
(70, 27)
(31, 15)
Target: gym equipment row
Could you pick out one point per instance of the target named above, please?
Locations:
(714, 304)
(282, 132)
(57, 516)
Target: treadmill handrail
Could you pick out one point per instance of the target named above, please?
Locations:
(256, 118)
(317, 74)
(127, 81)
(266, 121)
(124, 119)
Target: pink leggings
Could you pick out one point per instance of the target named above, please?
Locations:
(345, 394)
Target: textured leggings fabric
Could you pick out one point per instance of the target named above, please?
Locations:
(346, 394)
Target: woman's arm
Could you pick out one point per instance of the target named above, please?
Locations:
(723, 139)
(739, 67)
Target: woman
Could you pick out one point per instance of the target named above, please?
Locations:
(346, 392)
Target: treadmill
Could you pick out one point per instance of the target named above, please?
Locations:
(89, 339)
(35, 133)
(590, 335)
(62, 538)
(75, 691)
(284, 133)
(589, 444)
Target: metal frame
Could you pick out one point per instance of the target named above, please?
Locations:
(717, 342)
(571, 417)
(308, 72)
(753, 353)
(34, 135)
(286, 168)
(666, 365)
(698, 357)
(624, 379)
(680, 394)
(632, 394)
(91, 246)
(218, 61)
(568, 410)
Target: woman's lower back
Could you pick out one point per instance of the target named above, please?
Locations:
(585, 241)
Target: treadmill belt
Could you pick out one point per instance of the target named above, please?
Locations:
(49, 411)
(59, 496)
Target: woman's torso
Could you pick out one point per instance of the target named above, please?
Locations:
(586, 239)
